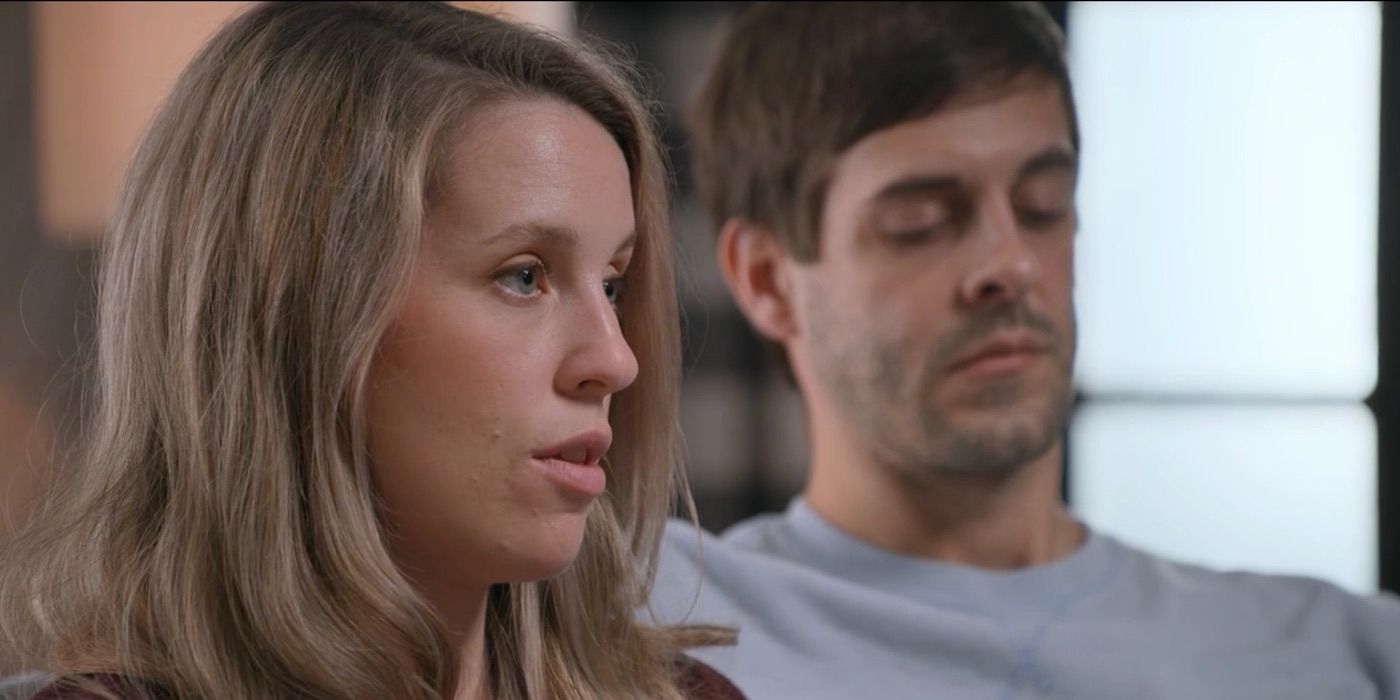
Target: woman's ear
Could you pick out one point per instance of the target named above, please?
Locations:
(756, 268)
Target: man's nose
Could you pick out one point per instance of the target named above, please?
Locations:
(1004, 267)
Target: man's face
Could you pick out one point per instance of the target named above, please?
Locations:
(937, 324)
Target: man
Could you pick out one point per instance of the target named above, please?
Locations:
(894, 184)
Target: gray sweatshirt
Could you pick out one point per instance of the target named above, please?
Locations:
(823, 615)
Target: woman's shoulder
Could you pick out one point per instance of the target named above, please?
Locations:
(698, 681)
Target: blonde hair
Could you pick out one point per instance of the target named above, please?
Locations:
(220, 539)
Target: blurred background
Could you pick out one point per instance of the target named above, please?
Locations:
(1238, 399)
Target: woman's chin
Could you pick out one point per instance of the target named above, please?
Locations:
(543, 556)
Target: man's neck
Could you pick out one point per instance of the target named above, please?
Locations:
(1005, 521)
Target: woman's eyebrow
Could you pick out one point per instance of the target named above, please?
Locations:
(628, 243)
(549, 235)
(535, 233)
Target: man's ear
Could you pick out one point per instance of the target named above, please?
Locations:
(756, 268)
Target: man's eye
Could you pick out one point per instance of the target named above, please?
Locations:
(524, 281)
(1038, 218)
(914, 236)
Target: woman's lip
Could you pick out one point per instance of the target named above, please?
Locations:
(585, 480)
(584, 448)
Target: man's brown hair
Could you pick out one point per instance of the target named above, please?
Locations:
(797, 83)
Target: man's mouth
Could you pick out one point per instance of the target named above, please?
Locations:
(1004, 353)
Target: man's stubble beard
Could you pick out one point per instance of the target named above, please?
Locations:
(896, 409)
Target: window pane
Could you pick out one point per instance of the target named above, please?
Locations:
(1279, 489)
(1228, 197)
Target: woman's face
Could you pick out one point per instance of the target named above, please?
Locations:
(488, 408)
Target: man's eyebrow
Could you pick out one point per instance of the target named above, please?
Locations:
(916, 185)
(1052, 158)
(547, 235)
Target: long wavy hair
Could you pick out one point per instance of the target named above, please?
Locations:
(219, 538)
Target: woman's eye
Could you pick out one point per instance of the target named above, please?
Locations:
(613, 289)
(524, 281)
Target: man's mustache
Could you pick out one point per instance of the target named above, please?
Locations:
(979, 329)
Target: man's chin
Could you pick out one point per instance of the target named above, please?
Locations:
(997, 454)
(1012, 399)
(1000, 439)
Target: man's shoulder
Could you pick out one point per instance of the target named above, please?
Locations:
(1266, 596)
(23, 686)
(756, 535)
(710, 578)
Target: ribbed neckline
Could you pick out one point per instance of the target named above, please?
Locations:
(815, 542)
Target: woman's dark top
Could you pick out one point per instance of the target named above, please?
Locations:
(700, 682)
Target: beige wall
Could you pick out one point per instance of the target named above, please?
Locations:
(102, 69)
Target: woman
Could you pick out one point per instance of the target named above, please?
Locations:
(387, 283)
